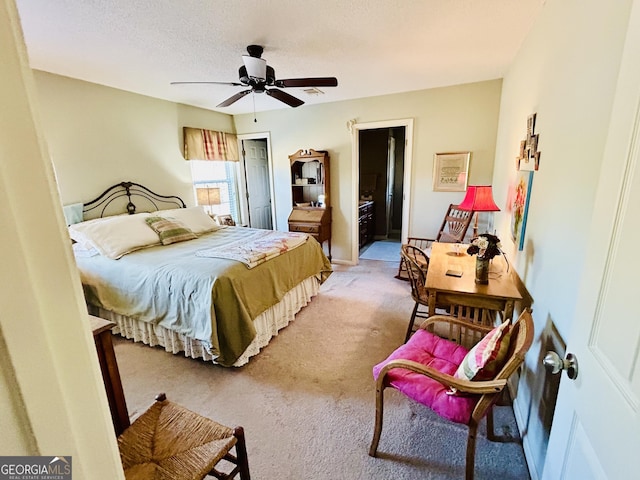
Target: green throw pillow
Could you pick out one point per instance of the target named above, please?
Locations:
(170, 231)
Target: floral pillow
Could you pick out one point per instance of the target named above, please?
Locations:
(487, 357)
(170, 231)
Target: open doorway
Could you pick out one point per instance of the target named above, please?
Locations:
(382, 165)
(257, 181)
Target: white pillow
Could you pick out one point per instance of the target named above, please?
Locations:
(115, 236)
(194, 218)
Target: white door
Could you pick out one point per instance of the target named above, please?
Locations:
(596, 424)
(257, 181)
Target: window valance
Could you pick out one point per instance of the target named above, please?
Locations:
(200, 144)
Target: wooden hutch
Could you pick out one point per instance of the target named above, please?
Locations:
(311, 211)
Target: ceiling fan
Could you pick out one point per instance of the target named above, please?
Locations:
(256, 74)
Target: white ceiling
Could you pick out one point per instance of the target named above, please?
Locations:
(373, 47)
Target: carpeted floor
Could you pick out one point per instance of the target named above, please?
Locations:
(307, 400)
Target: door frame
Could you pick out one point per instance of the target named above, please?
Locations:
(407, 123)
(242, 187)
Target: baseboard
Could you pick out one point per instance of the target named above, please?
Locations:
(342, 262)
(521, 423)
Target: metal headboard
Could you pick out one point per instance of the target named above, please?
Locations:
(130, 189)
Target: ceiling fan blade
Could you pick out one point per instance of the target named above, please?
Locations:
(233, 98)
(308, 82)
(284, 97)
(233, 84)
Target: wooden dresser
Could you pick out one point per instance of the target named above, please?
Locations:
(366, 222)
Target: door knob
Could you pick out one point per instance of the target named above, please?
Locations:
(555, 364)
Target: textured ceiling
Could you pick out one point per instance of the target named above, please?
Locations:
(373, 47)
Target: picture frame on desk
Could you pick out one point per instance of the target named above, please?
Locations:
(225, 220)
(451, 171)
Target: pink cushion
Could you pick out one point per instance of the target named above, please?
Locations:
(438, 353)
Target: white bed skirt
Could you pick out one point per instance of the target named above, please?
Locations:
(267, 326)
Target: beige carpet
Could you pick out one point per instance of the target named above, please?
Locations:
(307, 400)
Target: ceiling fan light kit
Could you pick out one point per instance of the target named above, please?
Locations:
(256, 68)
(256, 74)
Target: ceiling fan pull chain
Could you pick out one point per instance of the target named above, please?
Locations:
(255, 120)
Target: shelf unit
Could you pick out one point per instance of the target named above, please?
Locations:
(311, 203)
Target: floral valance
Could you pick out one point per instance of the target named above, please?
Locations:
(200, 144)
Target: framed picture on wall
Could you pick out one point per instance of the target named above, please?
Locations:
(451, 171)
(520, 206)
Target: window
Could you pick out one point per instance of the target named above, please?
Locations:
(220, 175)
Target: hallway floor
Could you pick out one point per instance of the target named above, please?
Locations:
(385, 250)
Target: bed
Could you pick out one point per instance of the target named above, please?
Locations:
(172, 277)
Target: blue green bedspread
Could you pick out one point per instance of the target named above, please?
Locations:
(213, 300)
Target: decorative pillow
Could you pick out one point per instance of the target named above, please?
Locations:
(169, 231)
(73, 213)
(487, 357)
(115, 236)
(193, 218)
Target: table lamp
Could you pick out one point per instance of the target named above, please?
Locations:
(208, 196)
(479, 198)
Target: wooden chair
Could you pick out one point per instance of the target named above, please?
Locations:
(416, 262)
(423, 369)
(169, 441)
(453, 230)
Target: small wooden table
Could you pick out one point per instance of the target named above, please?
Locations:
(110, 373)
(500, 294)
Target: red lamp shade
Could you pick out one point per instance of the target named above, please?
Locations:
(479, 198)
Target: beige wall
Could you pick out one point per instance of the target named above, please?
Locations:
(99, 136)
(566, 71)
(457, 118)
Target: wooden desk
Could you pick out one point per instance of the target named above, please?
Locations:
(110, 373)
(315, 221)
(500, 294)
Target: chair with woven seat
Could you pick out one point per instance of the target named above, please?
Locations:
(168, 441)
(458, 384)
(453, 230)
